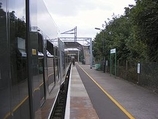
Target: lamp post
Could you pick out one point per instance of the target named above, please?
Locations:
(103, 49)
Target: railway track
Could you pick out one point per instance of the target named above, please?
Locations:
(59, 108)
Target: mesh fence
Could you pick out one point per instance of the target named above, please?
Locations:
(127, 71)
(148, 76)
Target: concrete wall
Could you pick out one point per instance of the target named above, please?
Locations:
(86, 55)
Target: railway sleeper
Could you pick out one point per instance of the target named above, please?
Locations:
(59, 108)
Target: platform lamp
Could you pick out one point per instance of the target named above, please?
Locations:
(103, 49)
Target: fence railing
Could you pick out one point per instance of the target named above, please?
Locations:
(148, 76)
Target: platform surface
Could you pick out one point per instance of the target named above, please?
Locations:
(139, 102)
(80, 104)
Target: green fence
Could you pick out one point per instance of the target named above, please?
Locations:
(148, 76)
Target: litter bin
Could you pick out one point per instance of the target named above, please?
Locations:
(97, 66)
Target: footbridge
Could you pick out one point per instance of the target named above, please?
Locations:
(80, 48)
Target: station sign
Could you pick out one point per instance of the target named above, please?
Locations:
(113, 51)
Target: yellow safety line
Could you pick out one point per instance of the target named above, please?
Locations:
(8, 114)
(20, 103)
(111, 98)
(41, 84)
(50, 74)
(38, 88)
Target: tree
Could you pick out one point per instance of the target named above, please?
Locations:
(145, 17)
(98, 47)
(120, 33)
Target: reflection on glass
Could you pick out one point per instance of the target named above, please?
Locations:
(14, 98)
(41, 19)
(37, 65)
(50, 72)
(41, 72)
(56, 59)
(19, 89)
(42, 27)
(14, 88)
(51, 65)
(4, 66)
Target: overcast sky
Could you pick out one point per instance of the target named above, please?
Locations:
(85, 14)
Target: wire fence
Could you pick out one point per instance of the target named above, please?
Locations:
(147, 75)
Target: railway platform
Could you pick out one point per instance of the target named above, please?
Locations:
(80, 103)
(96, 95)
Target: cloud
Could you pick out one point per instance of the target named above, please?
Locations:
(85, 14)
(73, 7)
(66, 7)
(85, 20)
